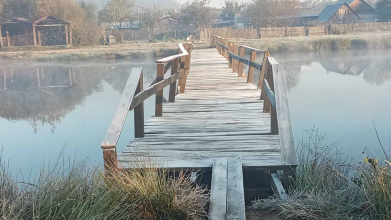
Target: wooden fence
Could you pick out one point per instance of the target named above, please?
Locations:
(273, 32)
(134, 96)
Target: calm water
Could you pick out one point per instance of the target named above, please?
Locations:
(342, 94)
(46, 106)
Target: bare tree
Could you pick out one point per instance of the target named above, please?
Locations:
(119, 10)
(232, 7)
(196, 14)
(149, 19)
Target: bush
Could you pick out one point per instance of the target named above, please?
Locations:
(78, 192)
(327, 186)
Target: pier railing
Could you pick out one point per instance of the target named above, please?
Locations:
(134, 96)
(273, 87)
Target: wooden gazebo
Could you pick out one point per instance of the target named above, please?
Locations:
(51, 22)
(16, 31)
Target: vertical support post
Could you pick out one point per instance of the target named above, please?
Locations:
(34, 36)
(173, 87)
(235, 62)
(70, 35)
(39, 39)
(263, 71)
(273, 113)
(8, 39)
(229, 57)
(66, 35)
(251, 69)
(110, 159)
(226, 43)
(186, 68)
(266, 103)
(1, 39)
(241, 54)
(139, 111)
(159, 95)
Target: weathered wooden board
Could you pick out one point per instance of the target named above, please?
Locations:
(236, 209)
(218, 193)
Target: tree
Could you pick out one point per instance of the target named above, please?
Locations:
(18, 8)
(90, 11)
(149, 18)
(196, 14)
(119, 10)
(264, 13)
(232, 7)
(384, 9)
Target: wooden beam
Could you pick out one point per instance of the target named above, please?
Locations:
(173, 86)
(139, 112)
(51, 25)
(277, 186)
(251, 69)
(8, 39)
(153, 89)
(171, 58)
(70, 35)
(66, 35)
(235, 62)
(229, 57)
(288, 149)
(1, 39)
(241, 54)
(115, 129)
(236, 209)
(263, 71)
(34, 36)
(159, 95)
(218, 193)
(39, 38)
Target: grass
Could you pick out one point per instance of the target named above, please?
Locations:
(74, 191)
(321, 43)
(330, 186)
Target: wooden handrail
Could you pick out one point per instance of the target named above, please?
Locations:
(134, 96)
(274, 92)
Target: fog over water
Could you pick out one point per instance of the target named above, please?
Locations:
(44, 106)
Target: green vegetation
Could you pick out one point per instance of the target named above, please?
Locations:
(74, 191)
(328, 186)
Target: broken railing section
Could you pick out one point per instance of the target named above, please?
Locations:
(273, 87)
(134, 96)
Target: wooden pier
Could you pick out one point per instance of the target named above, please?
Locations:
(219, 120)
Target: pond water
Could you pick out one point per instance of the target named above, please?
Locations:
(46, 106)
(49, 107)
(343, 94)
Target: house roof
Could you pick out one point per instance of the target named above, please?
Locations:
(330, 10)
(123, 25)
(17, 20)
(47, 20)
(169, 17)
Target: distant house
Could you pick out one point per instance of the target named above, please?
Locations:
(366, 12)
(338, 13)
(235, 21)
(168, 21)
(122, 25)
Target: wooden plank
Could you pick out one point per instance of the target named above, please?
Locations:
(218, 193)
(174, 57)
(173, 85)
(251, 68)
(288, 149)
(139, 112)
(277, 186)
(159, 94)
(119, 119)
(236, 209)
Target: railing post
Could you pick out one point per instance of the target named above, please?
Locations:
(266, 103)
(139, 111)
(251, 69)
(187, 69)
(110, 159)
(226, 55)
(263, 71)
(159, 95)
(173, 87)
(273, 113)
(229, 57)
(241, 54)
(235, 62)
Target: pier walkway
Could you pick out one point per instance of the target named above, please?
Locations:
(215, 118)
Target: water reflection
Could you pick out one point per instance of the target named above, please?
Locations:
(46, 93)
(374, 68)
